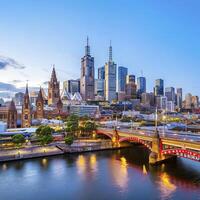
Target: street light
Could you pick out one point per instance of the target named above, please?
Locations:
(164, 120)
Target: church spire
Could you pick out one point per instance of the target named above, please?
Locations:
(110, 52)
(87, 48)
(53, 75)
(26, 92)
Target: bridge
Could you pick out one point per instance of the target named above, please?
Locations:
(161, 145)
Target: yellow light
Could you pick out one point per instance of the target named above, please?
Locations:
(144, 169)
(123, 161)
(166, 182)
(114, 139)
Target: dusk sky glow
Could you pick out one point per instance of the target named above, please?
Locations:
(158, 38)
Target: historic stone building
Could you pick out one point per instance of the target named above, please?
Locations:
(53, 89)
(26, 110)
(40, 106)
(12, 116)
(8, 114)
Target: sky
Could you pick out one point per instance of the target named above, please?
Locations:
(153, 38)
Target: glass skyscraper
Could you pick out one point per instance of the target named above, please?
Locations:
(159, 87)
(141, 86)
(101, 72)
(122, 73)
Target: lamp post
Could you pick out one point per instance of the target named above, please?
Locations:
(164, 121)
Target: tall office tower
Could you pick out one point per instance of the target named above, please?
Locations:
(71, 86)
(99, 87)
(122, 73)
(179, 97)
(26, 110)
(130, 78)
(147, 99)
(195, 102)
(130, 91)
(53, 89)
(101, 72)
(159, 87)
(141, 86)
(188, 101)
(110, 78)
(170, 94)
(87, 75)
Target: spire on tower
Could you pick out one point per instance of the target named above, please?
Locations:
(53, 75)
(26, 88)
(87, 48)
(110, 52)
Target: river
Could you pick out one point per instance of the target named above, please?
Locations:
(113, 174)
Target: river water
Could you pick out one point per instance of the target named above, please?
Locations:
(114, 174)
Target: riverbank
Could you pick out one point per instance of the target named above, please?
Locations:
(78, 146)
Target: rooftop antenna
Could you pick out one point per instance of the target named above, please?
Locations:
(110, 52)
(141, 72)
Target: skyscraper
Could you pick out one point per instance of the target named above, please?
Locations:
(53, 89)
(130, 78)
(170, 94)
(110, 78)
(159, 87)
(101, 72)
(179, 97)
(87, 75)
(141, 86)
(122, 73)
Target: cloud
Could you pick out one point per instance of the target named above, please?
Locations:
(7, 87)
(6, 62)
(16, 81)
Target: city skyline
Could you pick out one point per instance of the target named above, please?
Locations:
(37, 51)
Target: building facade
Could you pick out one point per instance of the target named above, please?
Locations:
(26, 110)
(53, 89)
(159, 87)
(110, 78)
(179, 97)
(101, 72)
(170, 94)
(40, 106)
(71, 86)
(122, 73)
(141, 86)
(87, 80)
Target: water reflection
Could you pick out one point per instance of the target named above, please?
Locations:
(81, 165)
(166, 187)
(119, 172)
(93, 163)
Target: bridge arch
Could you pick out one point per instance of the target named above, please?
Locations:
(184, 153)
(137, 140)
(104, 133)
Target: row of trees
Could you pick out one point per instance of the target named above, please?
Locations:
(75, 127)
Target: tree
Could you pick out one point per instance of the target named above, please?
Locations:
(69, 140)
(18, 139)
(90, 126)
(44, 134)
(72, 124)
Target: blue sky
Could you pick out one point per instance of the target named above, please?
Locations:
(158, 38)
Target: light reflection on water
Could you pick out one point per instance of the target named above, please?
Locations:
(121, 174)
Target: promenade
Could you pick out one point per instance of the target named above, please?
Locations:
(57, 148)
